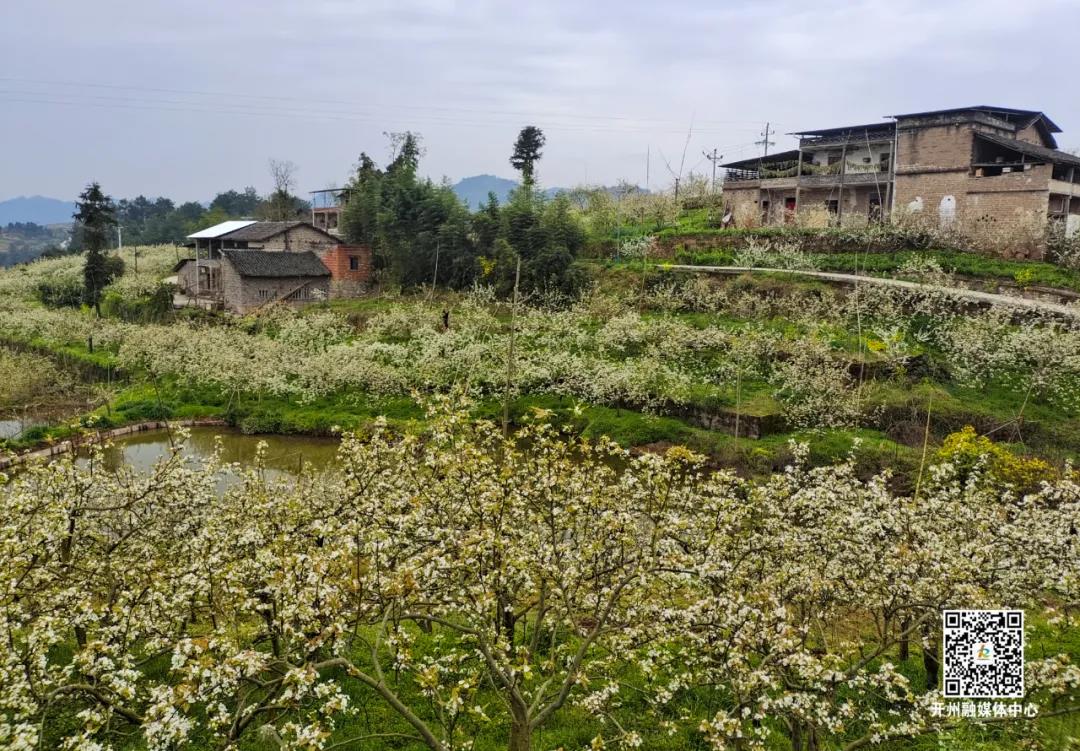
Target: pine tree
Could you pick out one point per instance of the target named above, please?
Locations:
(95, 217)
(527, 152)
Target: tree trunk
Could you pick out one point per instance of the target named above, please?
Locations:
(905, 642)
(930, 660)
(520, 736)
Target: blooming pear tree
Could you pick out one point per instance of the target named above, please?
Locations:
(474, 584)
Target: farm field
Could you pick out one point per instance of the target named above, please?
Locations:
(721, 513)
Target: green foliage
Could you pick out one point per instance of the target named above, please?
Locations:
(59, 292)
(527, 152)
(1026, 273)
(96, 216)
(966, 450)
(235, 203)
(418, 230)
(152, 308)
(546, 236)
(422, 234)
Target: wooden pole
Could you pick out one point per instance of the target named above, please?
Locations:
(510, 353)
(843, 171)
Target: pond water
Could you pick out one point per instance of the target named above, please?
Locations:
(286, 455)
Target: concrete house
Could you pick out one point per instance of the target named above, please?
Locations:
(979, 163)
(243, 264)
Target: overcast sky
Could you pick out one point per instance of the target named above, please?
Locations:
(183, 98)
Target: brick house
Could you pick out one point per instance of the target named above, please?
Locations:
(327, 206)
(233, 261)
(981, 163)
(245, 280)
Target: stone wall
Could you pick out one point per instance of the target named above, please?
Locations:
(244, 294)
(299, 238)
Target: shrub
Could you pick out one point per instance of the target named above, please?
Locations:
(59, 293)
(967, 450)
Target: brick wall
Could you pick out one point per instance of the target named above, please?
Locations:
(339, 259)
(1031, 134)
(937, 148)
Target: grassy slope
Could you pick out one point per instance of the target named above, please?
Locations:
(1025, 273)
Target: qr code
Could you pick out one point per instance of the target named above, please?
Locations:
(983, 654)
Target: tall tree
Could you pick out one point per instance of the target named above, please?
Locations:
(419, 231)
(527, 152)
(281, 206)
(237, 204)
(95, 216)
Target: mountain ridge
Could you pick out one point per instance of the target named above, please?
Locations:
(37, 209)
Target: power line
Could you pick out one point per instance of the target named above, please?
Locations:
(304, 114)
(309, 100)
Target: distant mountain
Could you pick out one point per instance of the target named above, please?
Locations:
(474, 190)
(36, 209)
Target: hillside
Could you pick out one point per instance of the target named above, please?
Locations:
(474, 190)
(36, 209)
(24, 241)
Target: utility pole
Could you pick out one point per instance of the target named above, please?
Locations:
(510, 354)
(765, 140)
(648, 160)
(715, 159)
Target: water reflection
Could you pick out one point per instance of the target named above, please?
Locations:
(286, 455)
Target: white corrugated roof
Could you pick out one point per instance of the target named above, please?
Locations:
(221, 229)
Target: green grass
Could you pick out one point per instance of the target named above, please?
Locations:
(972, 265)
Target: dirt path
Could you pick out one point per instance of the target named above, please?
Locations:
(986, 298)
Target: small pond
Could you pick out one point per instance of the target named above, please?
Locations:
(286, 455)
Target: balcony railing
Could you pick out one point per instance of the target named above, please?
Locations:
(775, 170)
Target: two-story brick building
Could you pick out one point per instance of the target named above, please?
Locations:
(980, 162)
(245, 264)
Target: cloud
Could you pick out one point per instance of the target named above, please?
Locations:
(193, 97)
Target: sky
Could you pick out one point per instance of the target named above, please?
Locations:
(185, 99)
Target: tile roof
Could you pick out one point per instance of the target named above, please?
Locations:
(1031, 149)
(271, 263)
(1008, 112)
(262, 230)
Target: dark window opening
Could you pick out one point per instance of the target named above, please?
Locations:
(875, 209)
(833, 205)
(789, 209)
(354, 263)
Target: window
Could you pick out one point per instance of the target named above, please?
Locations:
(833, 158)
(833, 205)
(354, 263)
(264, 294)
